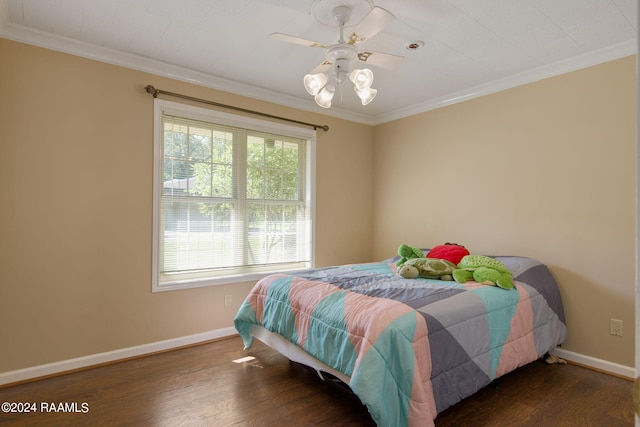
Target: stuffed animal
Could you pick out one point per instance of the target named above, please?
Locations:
(407, 252)
(430, 268)
(483, 269)
(450, 251)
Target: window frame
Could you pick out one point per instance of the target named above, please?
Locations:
(161, 107)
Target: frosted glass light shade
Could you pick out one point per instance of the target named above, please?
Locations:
(325, 96)
(366, 95)
(361, 79)
(314, 83)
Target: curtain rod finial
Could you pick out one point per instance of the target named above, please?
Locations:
(152, 90)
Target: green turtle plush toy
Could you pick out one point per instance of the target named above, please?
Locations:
(407, 252)
(485, 270)
(429, 268)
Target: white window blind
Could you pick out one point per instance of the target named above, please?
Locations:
(231, 200)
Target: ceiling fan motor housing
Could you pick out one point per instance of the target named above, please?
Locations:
(341, 56)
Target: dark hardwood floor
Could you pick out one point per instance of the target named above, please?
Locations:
(203, 386)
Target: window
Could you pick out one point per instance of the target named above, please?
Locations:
(233, 197)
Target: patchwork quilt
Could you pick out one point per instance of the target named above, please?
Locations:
(411, 347)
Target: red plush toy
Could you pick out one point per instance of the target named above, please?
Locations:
(450, 251)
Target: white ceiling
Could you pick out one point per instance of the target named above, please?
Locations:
(472, 47)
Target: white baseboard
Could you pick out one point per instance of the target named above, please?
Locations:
(111, 356)
(598, 364)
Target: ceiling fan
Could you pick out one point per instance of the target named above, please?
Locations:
(340, 56)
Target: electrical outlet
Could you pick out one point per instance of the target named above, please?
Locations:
(227, 302)
(616, 327)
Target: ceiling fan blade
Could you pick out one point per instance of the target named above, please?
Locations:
(375, 21)
(324, 66)
(297, 40)
(379, 59)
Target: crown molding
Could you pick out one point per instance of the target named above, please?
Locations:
(621, 50)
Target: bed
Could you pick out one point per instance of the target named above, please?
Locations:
(408, 348)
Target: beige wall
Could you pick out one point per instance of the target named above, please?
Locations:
(545, 170)
(75, 209)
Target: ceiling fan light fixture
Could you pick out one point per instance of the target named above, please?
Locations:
(325, 96)
(314, 83)
(366, 95)
(324, 79)
(361, 79)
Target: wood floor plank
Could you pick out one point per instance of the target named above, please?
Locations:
(202, 386)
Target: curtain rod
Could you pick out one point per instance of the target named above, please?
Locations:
(155, 92)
